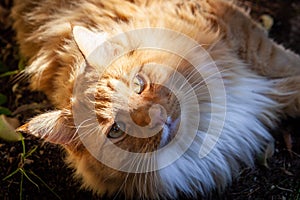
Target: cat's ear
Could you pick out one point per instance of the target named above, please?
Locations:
(55, 127)
(88, 41)
(95, 47)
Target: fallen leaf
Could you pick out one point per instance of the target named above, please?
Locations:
(267, 21)
(7, 128)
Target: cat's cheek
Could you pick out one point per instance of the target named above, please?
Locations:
(94, 174)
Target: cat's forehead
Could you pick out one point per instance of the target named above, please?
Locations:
(154, 65)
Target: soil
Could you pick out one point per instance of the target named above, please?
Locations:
(50, 178)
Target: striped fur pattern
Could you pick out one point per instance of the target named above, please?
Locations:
(261, 84)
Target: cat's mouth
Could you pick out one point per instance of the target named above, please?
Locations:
(168, 131)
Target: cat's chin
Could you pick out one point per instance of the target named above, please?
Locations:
(168, 131)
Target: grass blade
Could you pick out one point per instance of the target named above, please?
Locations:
(11, 174)
(25, 174)
(9, 73)
(23, 148)
(41, 180)
(21, 186)
(31, 151)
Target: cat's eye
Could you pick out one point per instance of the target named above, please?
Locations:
(138, 84)
(116, 130)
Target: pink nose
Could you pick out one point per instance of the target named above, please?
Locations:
(158, 115)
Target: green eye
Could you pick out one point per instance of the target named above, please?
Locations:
(117, 130)
(138, 84)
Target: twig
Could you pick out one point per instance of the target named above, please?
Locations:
(284, 189)
(253, 191)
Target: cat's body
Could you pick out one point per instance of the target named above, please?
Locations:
(254, 83)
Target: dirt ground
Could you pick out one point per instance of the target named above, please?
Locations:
(45, 175)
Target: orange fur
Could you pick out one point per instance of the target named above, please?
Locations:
(44, 32)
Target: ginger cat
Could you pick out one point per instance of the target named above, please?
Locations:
(155, 99)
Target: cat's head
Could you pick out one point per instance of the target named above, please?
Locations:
(126, 106)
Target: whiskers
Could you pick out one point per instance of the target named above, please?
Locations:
(19, 77)
(197, 82)
(137, 176)
(86, 131)
(142, 180)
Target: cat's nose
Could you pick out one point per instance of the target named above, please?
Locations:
(150, 116)
(158, 116)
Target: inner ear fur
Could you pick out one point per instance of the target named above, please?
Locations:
(55, 127)
(95, 47)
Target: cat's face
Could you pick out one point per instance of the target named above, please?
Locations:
(137, 110)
